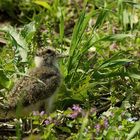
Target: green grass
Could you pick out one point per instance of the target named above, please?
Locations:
(100, 75)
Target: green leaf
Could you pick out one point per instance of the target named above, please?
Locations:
(82, 130)
(44, 4)
(5, 82)
(61, 26)
(18, 41)
(114, 63)
(125, 18)
(134, 75)
(101, 18)
(134, 4)
(137, 6)
(64, 129)
(134, 131)
(99, 75)
(77, 38)
(116, 37)
(28, 32)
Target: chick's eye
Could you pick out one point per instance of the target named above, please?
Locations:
(49, 51)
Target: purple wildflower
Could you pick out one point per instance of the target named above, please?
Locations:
(47, 122)
(97, 127)
(75, 111)
(106, 123)
(42, 113)
(77, 108)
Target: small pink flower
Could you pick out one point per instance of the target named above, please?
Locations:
(97, 126)
(77, 108)
(47, 122)
(42, 113)
(106, 123)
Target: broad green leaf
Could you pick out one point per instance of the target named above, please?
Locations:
(47, 135)
(18, 41)
(134, 75)
(64, 129)
(5, 82)
(134, 131)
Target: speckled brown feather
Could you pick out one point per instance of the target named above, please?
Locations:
(39, 84)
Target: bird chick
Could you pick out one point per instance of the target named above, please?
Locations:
(31, 91)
